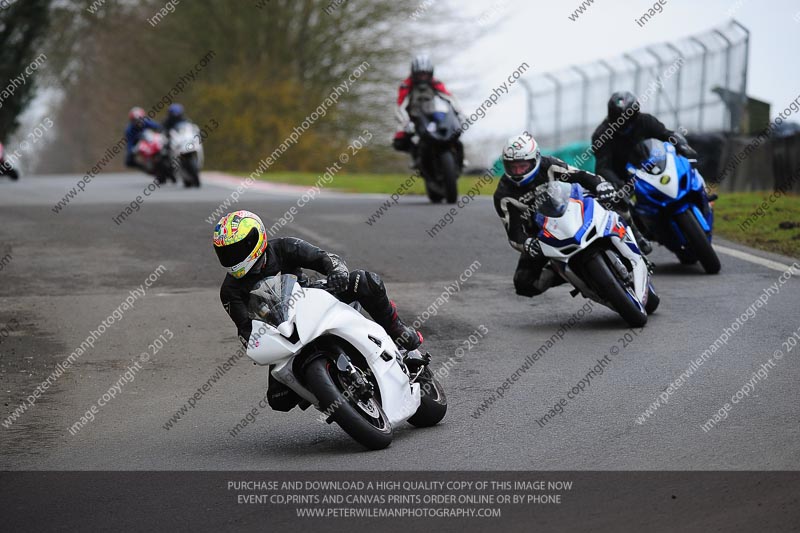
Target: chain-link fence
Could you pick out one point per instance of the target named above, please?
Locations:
(698, 83)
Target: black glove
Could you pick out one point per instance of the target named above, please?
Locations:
(686, 151)
(339, 275)
(532, 247)
(605, 192)
(682, 146)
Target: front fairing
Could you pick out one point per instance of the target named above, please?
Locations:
(315, 314)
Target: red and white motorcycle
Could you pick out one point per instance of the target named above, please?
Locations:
(341, 362)
(152, 154)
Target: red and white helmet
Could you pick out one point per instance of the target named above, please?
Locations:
(136, 113)
(522, 158)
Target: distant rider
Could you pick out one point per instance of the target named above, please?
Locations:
(514, 200)
(240, 242)
(175, 116)
(419, 87)
(138, 122)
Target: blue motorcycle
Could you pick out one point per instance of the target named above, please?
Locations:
(672, 206)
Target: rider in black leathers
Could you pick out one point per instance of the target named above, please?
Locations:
(615, 139)
(514, 201)
(289, 255)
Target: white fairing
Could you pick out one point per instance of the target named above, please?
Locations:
(185, 139)
(668, 181)
(569, 224)
(316, 313)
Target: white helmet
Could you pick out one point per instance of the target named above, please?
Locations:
(522, 158)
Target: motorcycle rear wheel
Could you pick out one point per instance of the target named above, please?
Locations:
(433, 402)
(610, 288)
(374, 432)
(652, 300)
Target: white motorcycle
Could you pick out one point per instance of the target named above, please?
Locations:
(344, 364)
(593, 248)
(186, 153)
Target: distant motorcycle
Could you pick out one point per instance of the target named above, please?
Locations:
(6, 167)
(152, 154)
(672, 206)
(336, 359)
(440, 154)
(186, 153)
(592, 248)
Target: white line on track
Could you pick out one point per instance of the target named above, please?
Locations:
(329, 244)
(774, 265)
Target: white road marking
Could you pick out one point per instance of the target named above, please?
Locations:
(329, 244)
(774, 265)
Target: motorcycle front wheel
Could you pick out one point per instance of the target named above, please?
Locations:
(364, 421)
(613, 290)
(191, 172)
(698, 242)
(448, 172)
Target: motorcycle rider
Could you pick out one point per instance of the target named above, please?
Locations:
(175, 115)
(515, 202)
(625, 127)
(138, 122)
(420, 85)
(240, 242)
(615, 139)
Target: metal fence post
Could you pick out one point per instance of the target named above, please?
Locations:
(703, 75)
(557, 115)
(585, 99)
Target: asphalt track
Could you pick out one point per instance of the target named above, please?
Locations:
(68, 271)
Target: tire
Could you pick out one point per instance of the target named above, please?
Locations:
(448, 171)
(610, 288)
(433, 402)
(698, 242)
(190, 170)
(321, 378)
(433, 196)
(652, 300)
(686, 259)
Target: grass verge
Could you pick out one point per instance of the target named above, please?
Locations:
(754, 219)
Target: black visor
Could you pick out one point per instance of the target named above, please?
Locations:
(235, 253)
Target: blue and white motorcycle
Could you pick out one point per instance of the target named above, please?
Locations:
(672, 206)
(594, 249)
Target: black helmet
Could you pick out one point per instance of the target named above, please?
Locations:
(623, 104)
(422, 68)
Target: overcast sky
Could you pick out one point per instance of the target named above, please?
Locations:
(541, 33)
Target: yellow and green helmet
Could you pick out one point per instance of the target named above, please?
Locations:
(240, 238)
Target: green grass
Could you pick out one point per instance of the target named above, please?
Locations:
(367, 183)
(733, 209)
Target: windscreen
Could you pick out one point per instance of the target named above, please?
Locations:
(552, 198)
(272, 298)
(650, 156)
